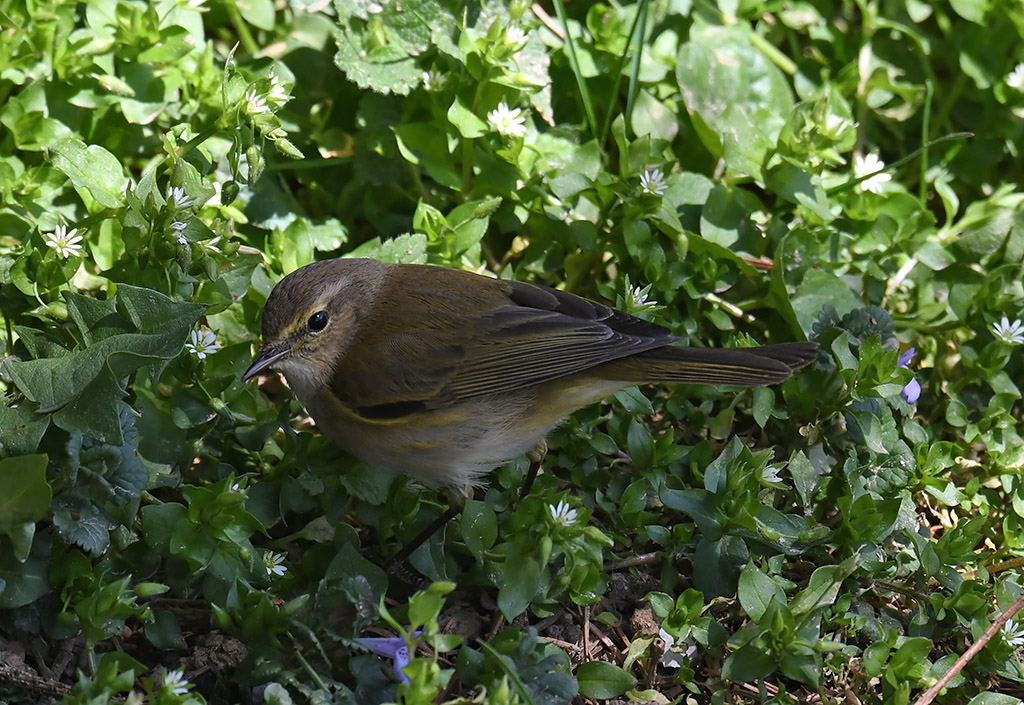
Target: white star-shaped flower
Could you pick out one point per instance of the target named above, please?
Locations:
(178, 228)
(1016, 78)
(562, 513)
(434, 80)
(1009, 333)
(515, 38)
(1013, 633)
(508, 121)
(862, 166)
(64, 242)
(255, 104)
(179, 199)
(274, 563)
(277, 92)
(652, 181)
(202, 344)
(175, 681)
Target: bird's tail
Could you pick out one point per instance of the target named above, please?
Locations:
(747, 367)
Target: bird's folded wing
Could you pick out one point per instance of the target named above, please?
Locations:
(488, 341)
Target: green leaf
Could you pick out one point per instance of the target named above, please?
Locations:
(821, 590)
(805, 477)
(748, 664)
(756, 590)
(479, 527)
(738, 99)
(520, 581)
(84, 387)
(820, 287)
(468, 124)
(717, 565)
(990, 698)
(86, 528)
(24, 492)
(23, 582)
(257, 12)
(93, 169)
(348, 563)
(764, 404)
(404, 249)
(21, 430)
(164, 632)
(699, 505)
(377, 49)
(603, 680)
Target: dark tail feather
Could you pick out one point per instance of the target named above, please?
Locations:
(748, 367)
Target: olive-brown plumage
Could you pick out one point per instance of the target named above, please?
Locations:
(444, 374)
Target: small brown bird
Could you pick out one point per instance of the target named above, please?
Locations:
(445, 375)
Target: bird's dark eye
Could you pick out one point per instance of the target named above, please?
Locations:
(318, 321)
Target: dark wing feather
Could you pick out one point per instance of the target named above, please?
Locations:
(449, 335)
(545, 334)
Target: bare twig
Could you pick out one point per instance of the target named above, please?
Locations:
(977, 646)
(1005, 565)
(546, 20)
(642, 559)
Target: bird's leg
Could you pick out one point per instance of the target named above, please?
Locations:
(536, 457)
(394, 563)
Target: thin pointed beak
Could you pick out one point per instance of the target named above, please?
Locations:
(267, 357)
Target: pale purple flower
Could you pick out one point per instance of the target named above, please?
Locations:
(912, 391)
(393, 648)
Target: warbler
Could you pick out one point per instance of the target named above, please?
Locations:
(445, 375)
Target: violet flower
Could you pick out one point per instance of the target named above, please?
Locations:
(393, 648)
(911, 392)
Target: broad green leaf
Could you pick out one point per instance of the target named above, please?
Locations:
(21, 429)
(519, 584)
(377, 48)
(717, 565)
(23, 582)
(748, 664)
(756, 590)
(24, 492)
(84, 387)
(93, 169)
(602, 680)
(821, 590)
(820, 287)
(740, 98)
(479, 527)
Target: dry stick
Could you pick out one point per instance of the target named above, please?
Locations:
(586, 633)
(977, 646)
(631, 561)
(1011, 563)
(545, 18)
